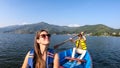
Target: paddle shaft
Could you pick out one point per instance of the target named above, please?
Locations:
(56, 46)
(77, 59)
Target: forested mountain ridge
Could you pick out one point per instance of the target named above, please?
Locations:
(98, 29)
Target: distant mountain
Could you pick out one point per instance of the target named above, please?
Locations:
(98, 29)
(94, 28)
(9, 28)
(32, 28)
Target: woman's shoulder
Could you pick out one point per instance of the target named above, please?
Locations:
(30, 53)
(77, 39)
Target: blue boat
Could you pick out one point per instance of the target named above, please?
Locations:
(64, 61)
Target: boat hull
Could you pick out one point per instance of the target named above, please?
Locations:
(66, 64)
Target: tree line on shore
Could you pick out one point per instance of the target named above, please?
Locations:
(93, 30)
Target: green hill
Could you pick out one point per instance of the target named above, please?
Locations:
(96, 30)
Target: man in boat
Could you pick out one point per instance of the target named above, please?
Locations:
(80, 46)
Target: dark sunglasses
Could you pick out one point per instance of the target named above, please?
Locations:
(79, 35)
(44, 35)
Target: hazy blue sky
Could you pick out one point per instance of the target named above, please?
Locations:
(60, 12)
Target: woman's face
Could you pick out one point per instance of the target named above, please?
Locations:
(44, 38)
(80, 36)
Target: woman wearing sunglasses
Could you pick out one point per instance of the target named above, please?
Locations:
(38, 57)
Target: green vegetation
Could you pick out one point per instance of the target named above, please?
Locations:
(93, 30)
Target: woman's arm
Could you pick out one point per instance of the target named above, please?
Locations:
(72, 40)
(25, 61)
(84, 38)
(56, 61)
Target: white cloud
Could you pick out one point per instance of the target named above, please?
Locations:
(4, 25)
(12, 24)
(73, 25)
(24, 23)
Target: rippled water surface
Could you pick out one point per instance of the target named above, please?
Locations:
(105, 51)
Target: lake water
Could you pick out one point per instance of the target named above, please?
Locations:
(105, 51)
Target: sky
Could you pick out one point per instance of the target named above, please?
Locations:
(60, 12)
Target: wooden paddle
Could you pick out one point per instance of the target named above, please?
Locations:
(77, 59)
(57, 45)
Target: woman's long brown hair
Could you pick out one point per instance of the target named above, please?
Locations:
(38, 62)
